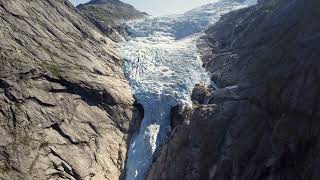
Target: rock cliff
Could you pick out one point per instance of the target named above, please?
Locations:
(65, 106)
(262, 123)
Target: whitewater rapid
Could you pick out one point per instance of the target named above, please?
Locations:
(162, 66)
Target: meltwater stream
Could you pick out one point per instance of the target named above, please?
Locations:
(162, 66)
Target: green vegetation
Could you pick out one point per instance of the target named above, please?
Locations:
(110, 13)
(102, 15)
(53, 68)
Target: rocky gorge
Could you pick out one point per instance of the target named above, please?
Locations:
(72, 99)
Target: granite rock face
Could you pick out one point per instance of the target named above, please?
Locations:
(65, 106)
(262, 123)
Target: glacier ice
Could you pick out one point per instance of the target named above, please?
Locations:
(162, 66)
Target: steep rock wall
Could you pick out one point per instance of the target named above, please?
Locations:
(65, 106)
(263, 121)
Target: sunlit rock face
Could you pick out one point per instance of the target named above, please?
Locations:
(65, 105)
(163, 66)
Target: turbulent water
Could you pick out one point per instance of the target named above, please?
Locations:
(162, 66)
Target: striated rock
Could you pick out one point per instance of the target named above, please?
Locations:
(263, 121)
(65, 106)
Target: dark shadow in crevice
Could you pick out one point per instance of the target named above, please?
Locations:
(135, 123)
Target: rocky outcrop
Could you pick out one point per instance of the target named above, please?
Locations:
(65, 106)
(262, 123)
(109, 16)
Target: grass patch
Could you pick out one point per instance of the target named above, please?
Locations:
(53, 68)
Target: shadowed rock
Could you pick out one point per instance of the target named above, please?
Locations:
(264, 121)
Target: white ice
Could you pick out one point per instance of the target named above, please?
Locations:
(163, 66)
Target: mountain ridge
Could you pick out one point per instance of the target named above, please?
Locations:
(118, 5)
(110, 15)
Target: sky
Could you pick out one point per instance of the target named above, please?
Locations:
(160, 7)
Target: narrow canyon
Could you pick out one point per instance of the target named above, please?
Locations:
(102, 91)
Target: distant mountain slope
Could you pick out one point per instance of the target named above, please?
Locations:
(107, 15)
(111, 12)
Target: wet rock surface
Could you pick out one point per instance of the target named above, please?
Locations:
(65, 106)
(263, 121)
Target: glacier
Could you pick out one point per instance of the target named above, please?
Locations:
(162, 65)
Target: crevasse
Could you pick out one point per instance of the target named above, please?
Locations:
(162, 66)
